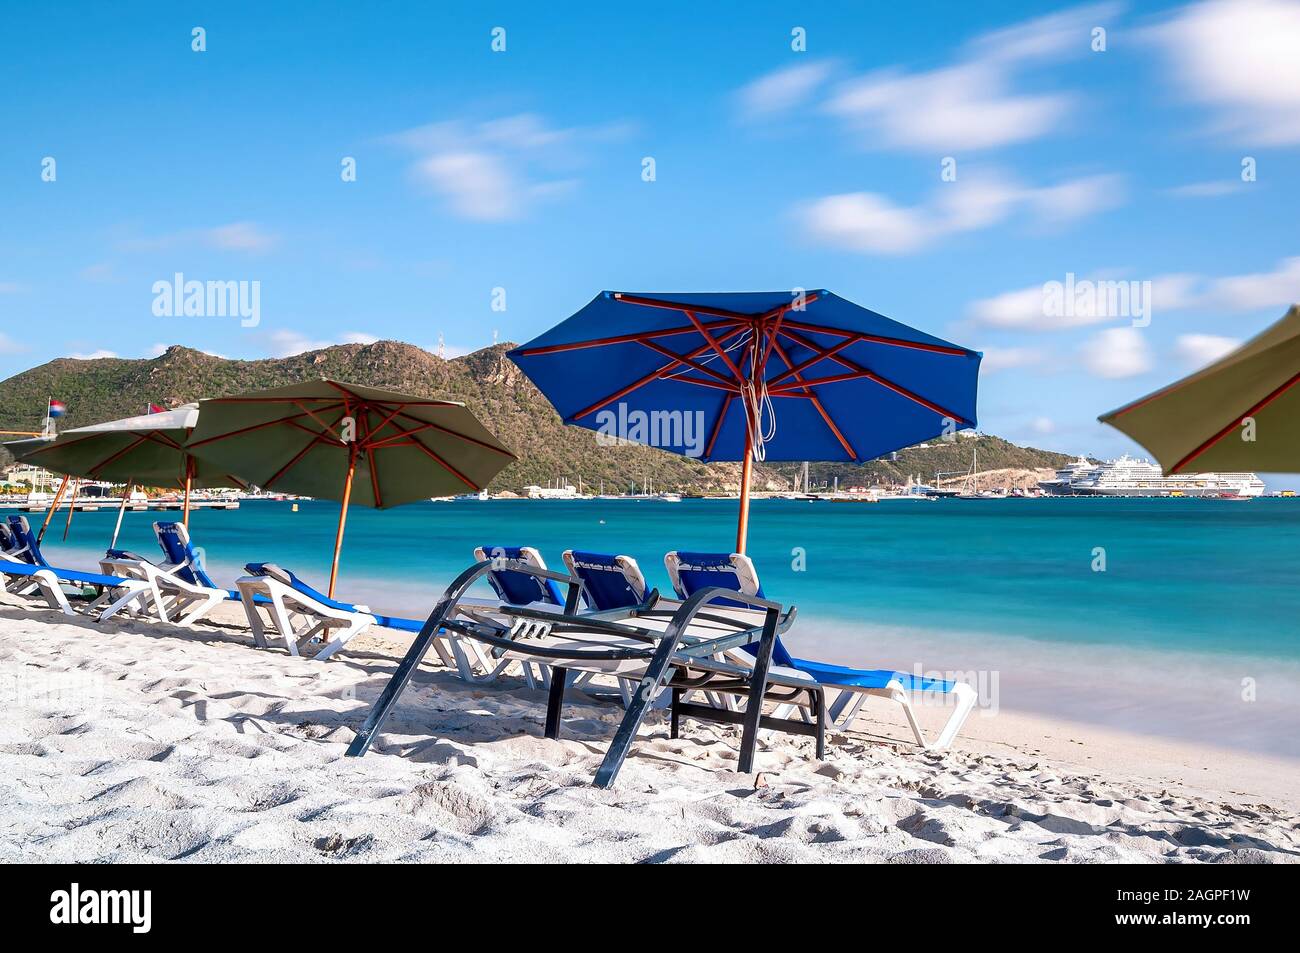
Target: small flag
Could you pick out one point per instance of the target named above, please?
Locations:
(155, 409)
(57, 408)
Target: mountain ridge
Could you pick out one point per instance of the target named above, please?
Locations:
(486, 380)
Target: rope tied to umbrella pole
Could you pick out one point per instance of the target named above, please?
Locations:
(758, 403)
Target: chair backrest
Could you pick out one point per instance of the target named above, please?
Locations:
(691, 572)
(183, 560)
(519, 588)
(25, 546)
(272, 571)
(7, 544)
(609, 582)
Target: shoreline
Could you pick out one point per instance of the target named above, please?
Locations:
(194, 745)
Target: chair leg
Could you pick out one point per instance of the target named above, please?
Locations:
(757, 689)
(819, 712)
(966, 698)
(656, 672)
(675, 724)
(555, 702)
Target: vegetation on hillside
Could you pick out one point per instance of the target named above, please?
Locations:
(486, 380)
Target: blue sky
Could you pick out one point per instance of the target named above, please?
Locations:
(774, 168)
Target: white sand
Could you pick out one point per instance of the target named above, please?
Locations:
(130, 742)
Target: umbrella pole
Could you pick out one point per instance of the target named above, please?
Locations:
(189, 478)
(126, 495)
(343, 517)
(72, 508)
(54, 505)
(742, 522)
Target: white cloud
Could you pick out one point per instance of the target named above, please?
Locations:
(93, 355)
(1027, 309)
(1116, 352)
(9, 346)
(1201, 349)
(1206, 190)
(102, 271)
(286, 343)
(782, 90)
(499, 169)
(158, 350)
(1042, 425)
(869, 223)
(1024, 308)
(1279, 288)
(1239, 58)
(239, 236)
(1006, 358)
(478, 185)
(970, 104)
(236, 236)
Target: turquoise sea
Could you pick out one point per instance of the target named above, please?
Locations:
(1178, 617)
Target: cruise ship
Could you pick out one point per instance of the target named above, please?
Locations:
(1129, 476)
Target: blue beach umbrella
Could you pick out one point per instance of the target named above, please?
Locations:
(775, 376)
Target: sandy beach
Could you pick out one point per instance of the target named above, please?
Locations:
(125, 741)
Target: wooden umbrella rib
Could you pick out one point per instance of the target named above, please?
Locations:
(684, 308)
(324, 426)
(704, 369)
(717, 348)
(717, 424)
(882, 381)
(858, 336)
(614, 339)
(445, 465)
(429, 425)
(656, 374)
(374, 470)
(316, 439)
(817, 404)
(115, 456)
(243, 430)
(1236, 422)
(820, 355)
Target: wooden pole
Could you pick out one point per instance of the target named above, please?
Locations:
(72, 508)
(53, 506)
(126, 495)
(746, 468)
(189, 479)
(343, 516)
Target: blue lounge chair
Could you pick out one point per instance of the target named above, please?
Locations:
(114, 595)
(181, 586)
(691, 572)
(609, 582)
(618, 581)
(275, 599)
(23, 545)
(279, 603)
(8, 545)
(518, 588)
(25, 571)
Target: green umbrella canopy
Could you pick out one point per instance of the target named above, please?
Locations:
(304, 438)
(148, 450)
(1240, 413)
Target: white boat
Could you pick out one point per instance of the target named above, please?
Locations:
(1130, 476)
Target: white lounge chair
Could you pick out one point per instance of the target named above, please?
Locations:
(691, 572)
(24, 571)
(180, 585)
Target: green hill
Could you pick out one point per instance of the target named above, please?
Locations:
(487, 381)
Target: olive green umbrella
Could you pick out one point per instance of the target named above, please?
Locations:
(349, 443)
(148, 450)
(1240, 413)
